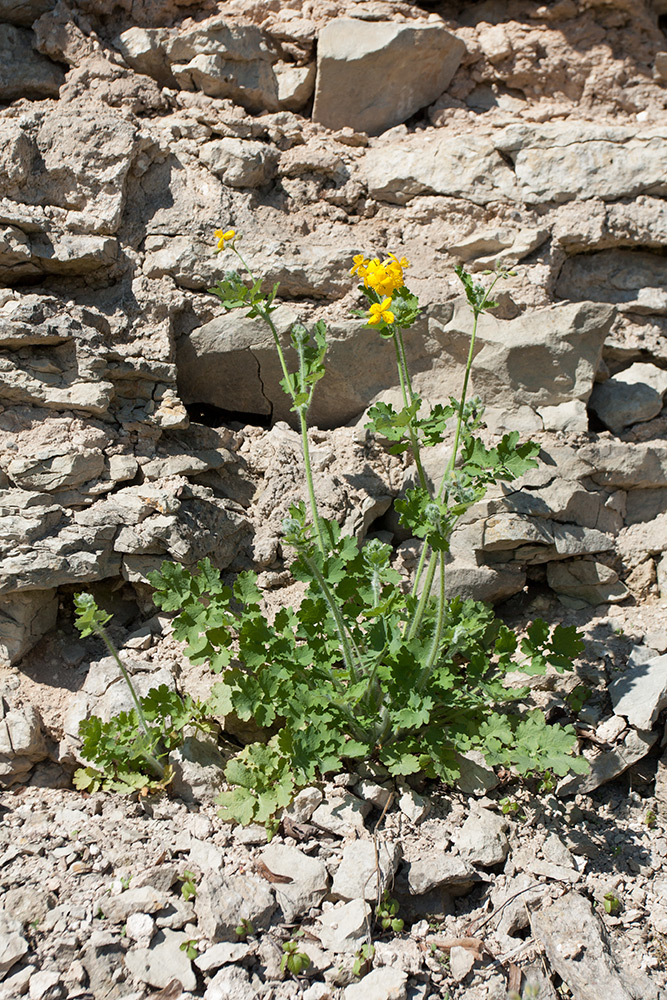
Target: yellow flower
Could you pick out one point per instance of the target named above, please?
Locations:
(223, 238)
(380, 312)
(360, 265)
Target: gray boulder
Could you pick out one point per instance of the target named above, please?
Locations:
(482, 840)
(24, 72)
(222, 903)
(309, 879)
(586, 580)
(372, 75)
(561, 161)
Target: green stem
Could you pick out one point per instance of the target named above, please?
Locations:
(439, 624)
(406, 390)
(348, 645)
(477, 312)
(309, 481)
(424, 597)
(102, 633)
(266, 316)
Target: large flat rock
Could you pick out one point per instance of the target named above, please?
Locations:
(372, 75)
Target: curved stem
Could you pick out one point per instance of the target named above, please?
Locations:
(406, 390)
(102, 633)
(439, 624)
(348, 645)
(477, 312)
(424, 597)
(309, 481)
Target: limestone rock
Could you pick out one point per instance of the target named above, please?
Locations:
(144, 899)
(24, 12)
(461, 961)
(608, 764)
(22, 743)
(23, 71)
(24, 618)
(221, 59)
(163, 961)
(439, 871)
(224, 953)
(198, 770)
(626, 465)
(586, 580)
(357, 875)
(309, 879)
(640, 693)
(13, 946)
(482, 840)
(381, 984)
(345, 928)
(230, 983)
(222, 903)
(343, 815)
(631, 280)
(397, 170)
(577, 946)
(76, 160)
(239, 162)
(562, 161)
(373, 75)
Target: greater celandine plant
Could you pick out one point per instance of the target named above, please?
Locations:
(364, 670)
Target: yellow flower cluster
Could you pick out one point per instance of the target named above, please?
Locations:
(224, 237)
(384, 277)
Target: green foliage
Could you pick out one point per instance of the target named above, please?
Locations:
(190, 948)
(612, 904)
(385, 914)
(244, 929)
(578, 697)
(361, 670)
(363, 959)
(650, 819)
(188, 886)
(234, 293)
(293, 960)
(89, 618)
(122, 757)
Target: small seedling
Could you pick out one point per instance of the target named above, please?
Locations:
(363, 959)
(293, 960)
(510, 807)
(439, 956)
(577, 698)
(650, 819)
(612, 904)
(125, 881)
(386, 915)
(547, 783)
(244, 929)
(190, 948)
(189, 887)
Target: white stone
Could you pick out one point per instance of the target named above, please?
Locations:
(357, 874)
(482, 839)
(380, 984)
(309, 884)
(345, 928)
(640, 693)
(461, 961)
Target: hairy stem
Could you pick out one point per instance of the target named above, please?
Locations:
(406, 390)
(348, 645)
(104, 636)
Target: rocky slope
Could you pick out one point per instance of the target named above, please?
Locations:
(137, 423)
